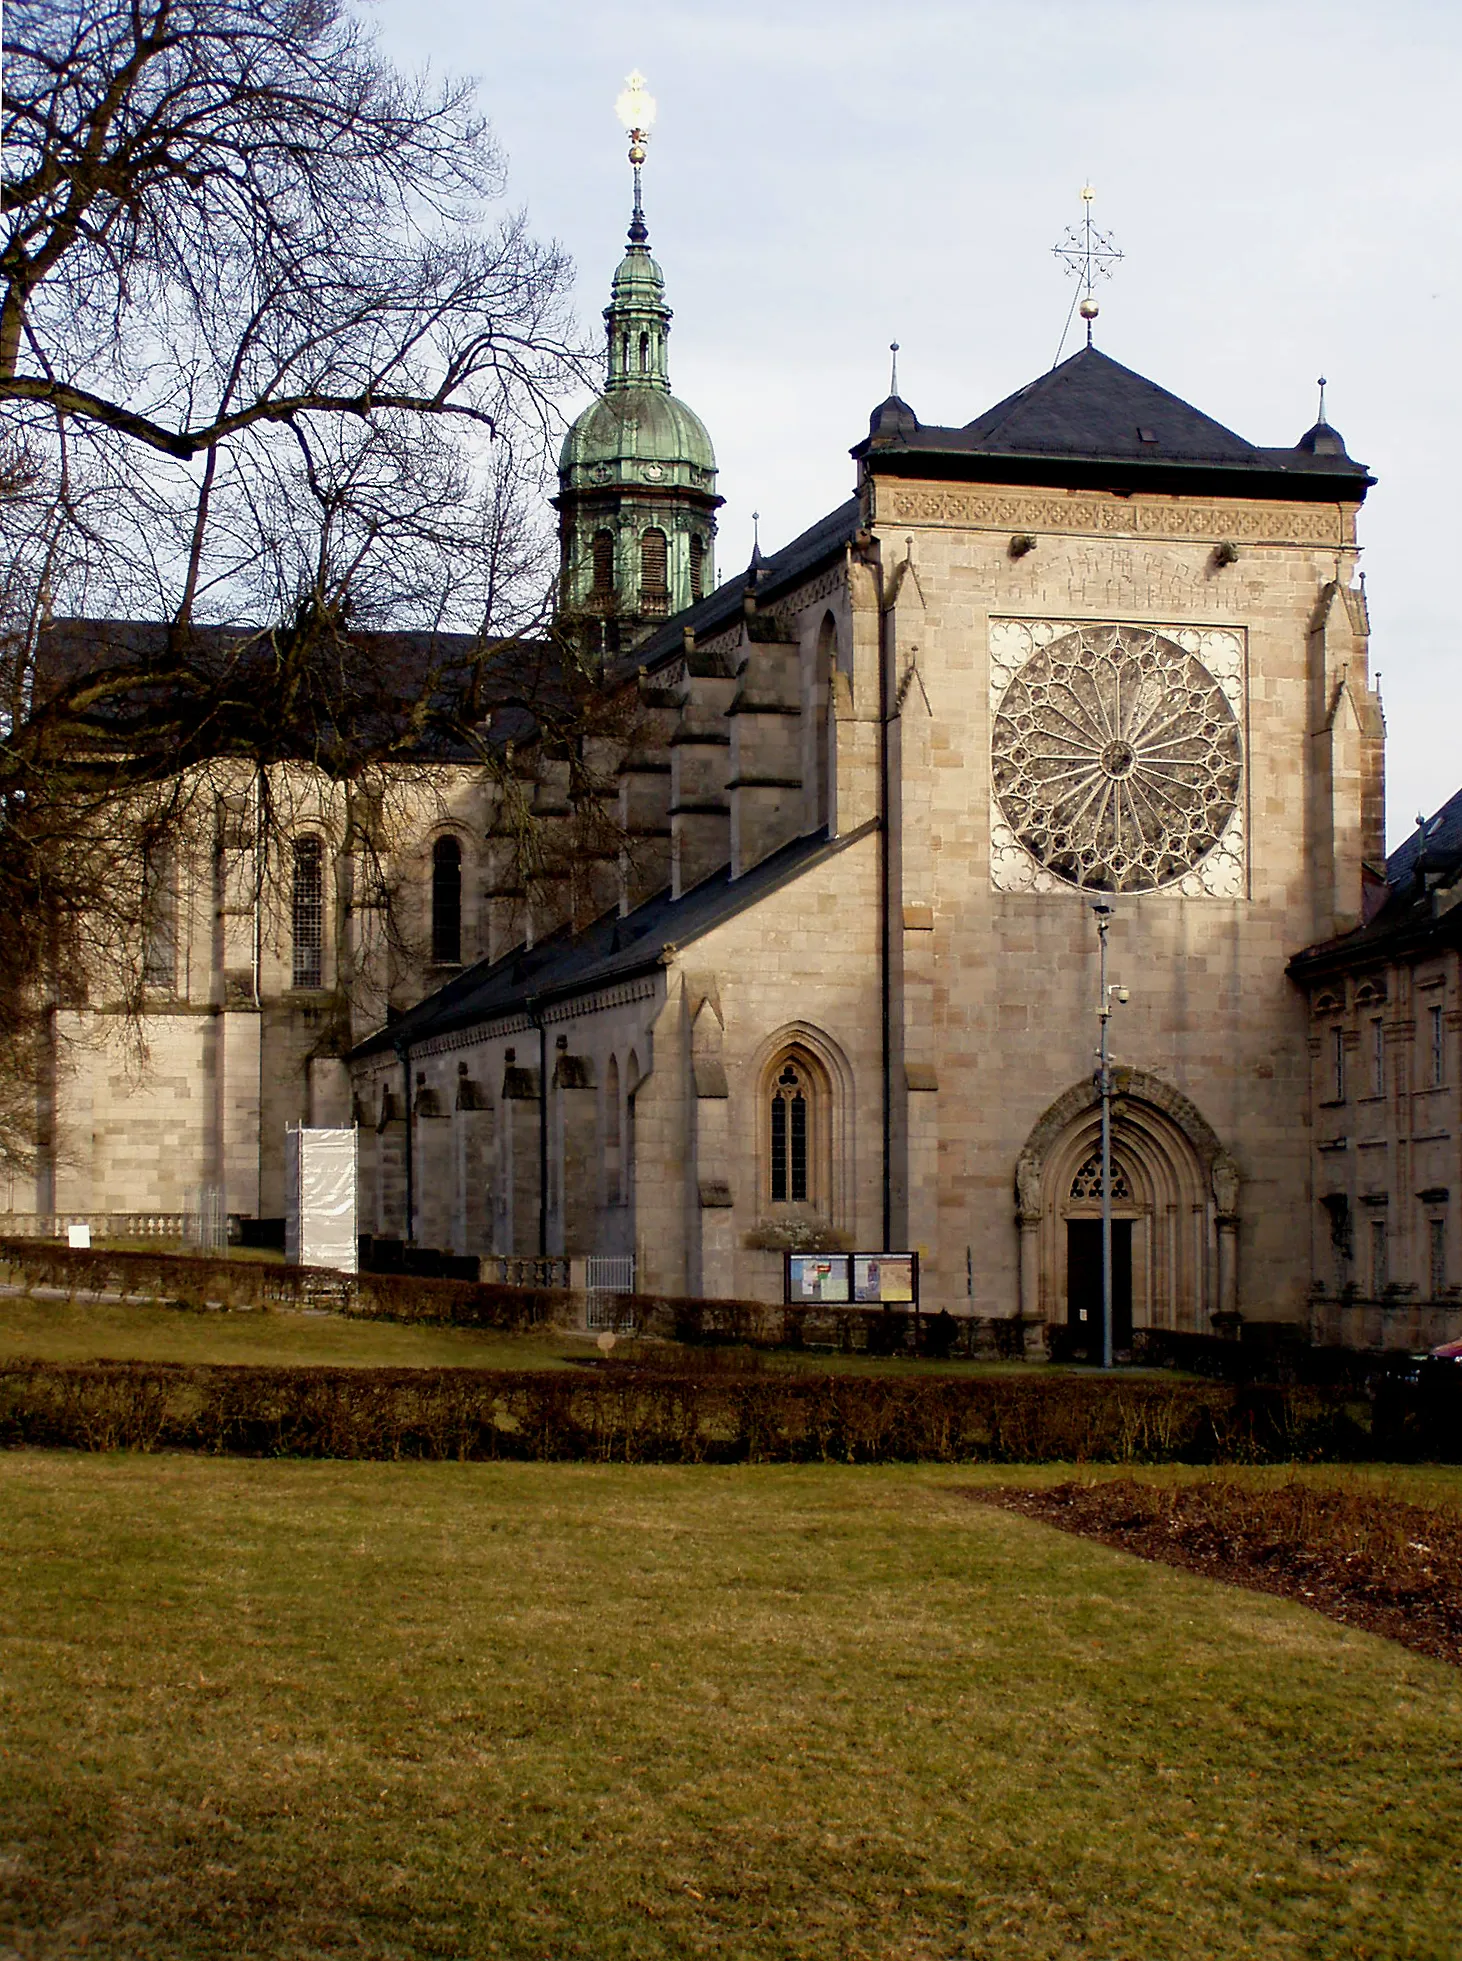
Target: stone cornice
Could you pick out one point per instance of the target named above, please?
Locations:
(1087, 513)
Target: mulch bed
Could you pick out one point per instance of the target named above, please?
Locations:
(1366, 1559)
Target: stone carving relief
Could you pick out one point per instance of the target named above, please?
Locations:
(1116, 758)
(1325, 524)
(1225, 1185)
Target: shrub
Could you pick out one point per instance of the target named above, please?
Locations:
(629, 1413)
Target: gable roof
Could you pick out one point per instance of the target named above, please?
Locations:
(1093, 422)
(611, 949)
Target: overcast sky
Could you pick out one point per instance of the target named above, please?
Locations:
(826, 176)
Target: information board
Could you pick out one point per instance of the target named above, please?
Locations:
(885, 1277)
(817, 1276)
(865, 1279)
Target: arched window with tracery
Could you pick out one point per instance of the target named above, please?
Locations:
(308, 912)
(446, 901)
(797, 1131)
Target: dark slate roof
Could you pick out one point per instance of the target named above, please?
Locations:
(611, 949)
(773, 574)
(1422, 908)
(407, 693)
(1093, 422)
(1441, 834)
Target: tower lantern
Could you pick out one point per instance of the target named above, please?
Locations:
(637, 473)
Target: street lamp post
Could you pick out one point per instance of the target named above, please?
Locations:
(1104, 909)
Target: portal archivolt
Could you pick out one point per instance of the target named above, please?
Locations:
(1167, 1166)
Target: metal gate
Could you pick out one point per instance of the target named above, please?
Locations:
(205, 1222)
(607, 1276)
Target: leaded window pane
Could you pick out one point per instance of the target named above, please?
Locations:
(309, 913)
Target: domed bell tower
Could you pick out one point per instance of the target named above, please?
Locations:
(637, 474)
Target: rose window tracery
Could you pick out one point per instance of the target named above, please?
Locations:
(1116, 758)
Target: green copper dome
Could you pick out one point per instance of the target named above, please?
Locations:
(638, 435)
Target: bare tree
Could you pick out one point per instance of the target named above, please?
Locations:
(275, 372)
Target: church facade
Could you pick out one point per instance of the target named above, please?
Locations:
(1090, 646)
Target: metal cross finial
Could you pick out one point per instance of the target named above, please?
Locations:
(893, 384)
(1090, 255)
(635, 108)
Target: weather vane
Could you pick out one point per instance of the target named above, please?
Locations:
(1090, 255)
(635, 107)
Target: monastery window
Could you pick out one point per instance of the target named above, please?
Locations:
(822, 675)
(1380, 1259)
(1378, 1058)
(797, 1131)
(613, 1137)
(308, 912)
(790, 1110)
(1438, 1045)
(653, 591)
(1337, 1064)
(1437, 1256)
(603, 564)
(446, 901)
(697, 565)
(159, 916)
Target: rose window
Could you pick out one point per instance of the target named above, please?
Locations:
(1116, 758)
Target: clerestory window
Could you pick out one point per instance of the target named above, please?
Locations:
(159, 916)
(446, 901)
(308, 912)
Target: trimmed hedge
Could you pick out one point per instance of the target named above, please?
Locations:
(188, 1280)
(626, 1414)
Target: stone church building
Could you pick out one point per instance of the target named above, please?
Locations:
(1089, 643)
(840, 990)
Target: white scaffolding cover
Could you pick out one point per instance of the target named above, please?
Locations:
(319, 1223)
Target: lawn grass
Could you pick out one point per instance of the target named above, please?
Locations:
(307, 1710)
(43, 1327)
(47, 1329)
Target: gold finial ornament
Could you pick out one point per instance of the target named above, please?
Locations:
(635, 107)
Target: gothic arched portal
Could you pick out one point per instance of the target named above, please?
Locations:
(1174, 1207)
